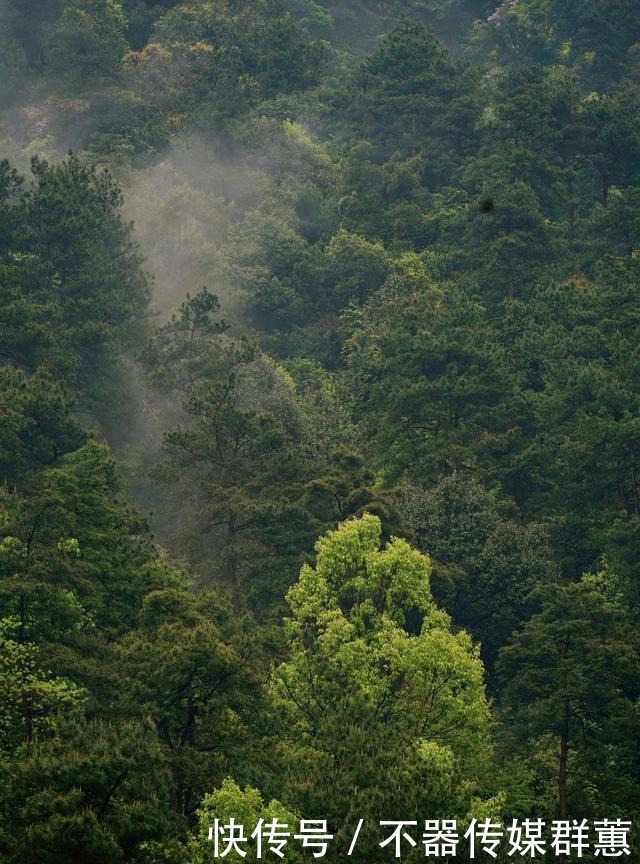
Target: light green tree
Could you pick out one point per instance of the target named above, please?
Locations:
(382, 707)
(30, 698)
(246, 807)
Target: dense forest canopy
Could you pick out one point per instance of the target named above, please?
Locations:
(319, 420)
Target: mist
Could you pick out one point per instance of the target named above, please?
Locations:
(182, 208)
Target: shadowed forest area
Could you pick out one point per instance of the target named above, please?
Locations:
(319, 421)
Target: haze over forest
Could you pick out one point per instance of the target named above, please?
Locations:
(319, 421)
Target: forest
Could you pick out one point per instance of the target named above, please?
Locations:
(319, 425)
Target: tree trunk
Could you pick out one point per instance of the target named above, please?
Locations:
(563, 764)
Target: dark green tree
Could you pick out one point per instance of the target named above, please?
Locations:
(570, 680)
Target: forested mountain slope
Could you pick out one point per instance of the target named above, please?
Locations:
(319, 419)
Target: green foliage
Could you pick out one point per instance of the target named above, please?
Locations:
(376, 684)
(72, 281)
(37, 425)
(87, 41)
(315, 18)
(31, 699)
(408, 97)
(570, 686)
(93, 793)
(188, 349)
(486, 563)
(449, 398)
(425, 259)
(187, 671)
(246, 807)
(246, 460)
(54, 585)
(240, 467)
